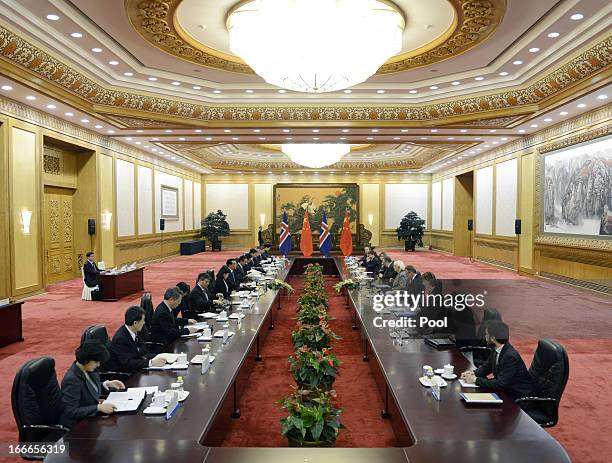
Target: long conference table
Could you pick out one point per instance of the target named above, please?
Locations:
(427, 430)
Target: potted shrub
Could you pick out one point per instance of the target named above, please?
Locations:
(314, 336)
(411, 230)
(311, 315)
(314, 418)
(214, 226)
(314, 369)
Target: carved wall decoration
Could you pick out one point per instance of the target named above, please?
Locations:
(499, 122)
(25, 55)
(54, 264)
(67, 221)
(51, 164)
(54, 219)
(67, 263)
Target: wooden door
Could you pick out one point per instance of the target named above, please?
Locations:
(59, 242)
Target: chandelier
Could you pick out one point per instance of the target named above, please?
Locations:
(315, 45)
(315, 155)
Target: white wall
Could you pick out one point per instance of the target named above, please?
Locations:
(188, 205)
(232, 199)
(401, 198)
(484, 200)
(145, 200)
(161, 178)
(448, 203)
(197, 205)
(436, 205)
(505, 197)
(125, 198)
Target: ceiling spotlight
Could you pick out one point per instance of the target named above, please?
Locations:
(198, 130)
(548, 119)
(563, 113)
(434, 130)
(434, 87)
(168, 131)
(175, 83)
(76, 35)
(455, 83)
(553, 35)
(517, 62)
(7, 88)
(503, 73)
(51, 106)
(217, 91)
(534, 50)
(479, 78)
(603, 96)
(182, 138)
(533, 126)
(397, 138)
(113, 62)
(492, 130)
(374, 130)
(315, 130)
(235, 138)
(69, 114)
(581, 105)
(345, 130)
(128, 138)
(110, 131)
(348, 90)
(227, 130)
(139, 131)
(450, 138)
(96, 50)
(315, 138)
(97, 126)
(52, 17)
(424, 138)
(128, 74)
(463, 130)
(342, 138)
(30, 97)
(521, 130)
(288, 138)
(208, 139)
(286, 130)
(248, 91)
(152, 79)
(412, 91)
(380, 91)
(282, 90)
(85, 121)
(504, 138)
(574, 17)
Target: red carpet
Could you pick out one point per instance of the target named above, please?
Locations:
(581, 321)
(259, 425)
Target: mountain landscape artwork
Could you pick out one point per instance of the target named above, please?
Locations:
(578, 190)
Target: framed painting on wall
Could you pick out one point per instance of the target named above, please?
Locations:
(576, 189)
(169, 202)
(333, 198)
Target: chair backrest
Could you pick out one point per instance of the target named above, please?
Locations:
(549, 369)
(211, 272)
(97, 332)
(36, 396)
(489, 314)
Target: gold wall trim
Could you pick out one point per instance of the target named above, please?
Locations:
(25, 62)
(157, 23)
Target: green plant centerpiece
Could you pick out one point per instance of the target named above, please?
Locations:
(411, 230)
(280, 284)
(348, 284)
(311, 315)
(215, 225)
(315, 336)
(314, 369)
(314, 418)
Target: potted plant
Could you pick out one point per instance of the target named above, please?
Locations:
(313, 369)
(214, 225)
(411, 230)
(315, 336)
(311, 315)
(348, 284)
(280, 284)
(314, 418)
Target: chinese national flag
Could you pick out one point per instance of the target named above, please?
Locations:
(346, 240)
(306, 238)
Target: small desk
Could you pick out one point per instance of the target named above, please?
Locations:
(122, 284)
(10, 323)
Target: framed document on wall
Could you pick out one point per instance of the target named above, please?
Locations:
(169, 202)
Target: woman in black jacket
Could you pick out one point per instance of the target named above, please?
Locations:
(81, 386)
(221, 284)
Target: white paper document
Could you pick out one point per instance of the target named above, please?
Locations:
(126, 401)
(464, 384)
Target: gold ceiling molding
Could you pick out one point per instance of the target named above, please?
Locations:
(496, 122)
(28, 63)
(126, 122)
(156, 22)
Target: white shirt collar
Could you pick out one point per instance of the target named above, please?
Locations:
(131, 332)
(499, 349)
(169, 308)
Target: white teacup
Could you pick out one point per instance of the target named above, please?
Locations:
(449, 370)
(182, 358)
(168, 394)
(207, 332)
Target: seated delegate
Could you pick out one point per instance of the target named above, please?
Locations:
(509, 373)
(128, 352)
(81, 386)
(165, 327)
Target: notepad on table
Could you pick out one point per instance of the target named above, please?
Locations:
(481, 398)
(466, 384)
(126, 401)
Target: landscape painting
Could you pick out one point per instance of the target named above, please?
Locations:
(335, 199)
(577, 189)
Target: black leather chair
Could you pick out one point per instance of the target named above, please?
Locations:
(99, 333)
(37, 404)
(549, 372)
(480, 351)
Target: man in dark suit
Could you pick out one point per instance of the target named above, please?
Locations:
(233, 280)
(372, 263)
(127, 352)
(509, 373)
(265, 254)
(200, 298)
(415, 283)
(241, 268)
(363, 259)
(165, 327)
(387, 273)
(90, 270)
(256, 257)
(81, 386)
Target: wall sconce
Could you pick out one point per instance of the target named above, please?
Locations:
(107, 217)
(26, 218)
(262, 219)
(370, 219)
